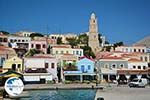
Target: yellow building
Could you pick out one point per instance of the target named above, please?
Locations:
(13, 63)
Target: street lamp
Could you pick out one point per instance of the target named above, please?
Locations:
(128, 76)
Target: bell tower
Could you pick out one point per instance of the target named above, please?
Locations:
(93, 34)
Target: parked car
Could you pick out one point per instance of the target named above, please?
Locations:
(138, 82)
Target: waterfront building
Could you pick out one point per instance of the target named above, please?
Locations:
(14, 63)
(131, 49)
(41, 64)
(3, 40)
(108, 66)
(84, 70)
(93, 34)
(65, 49)
(136, 64)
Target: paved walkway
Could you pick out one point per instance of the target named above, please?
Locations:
(124, 93)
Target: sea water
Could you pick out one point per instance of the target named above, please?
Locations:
(87, 94)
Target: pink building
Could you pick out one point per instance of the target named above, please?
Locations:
(40, 45)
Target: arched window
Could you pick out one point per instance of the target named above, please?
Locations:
(113, 65)
(121, 65)
(106, 66)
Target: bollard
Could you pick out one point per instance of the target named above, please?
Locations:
(100, 98)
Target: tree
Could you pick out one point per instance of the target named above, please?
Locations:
(4, 32)
(99, 38)
(88, 51)
(72, 41)
(32, 52)
(36, 35)
(59, 40)
(118, 44)
(83, 39)
(48, 49)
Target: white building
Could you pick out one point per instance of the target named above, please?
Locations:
(22, 42)
(131, 49)
(136, 64)
(59, 50)
(24, 34)
(63, 36)
(41, 63)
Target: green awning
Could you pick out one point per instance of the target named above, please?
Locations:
(11, 73)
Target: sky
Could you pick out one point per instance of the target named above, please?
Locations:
(118, 20)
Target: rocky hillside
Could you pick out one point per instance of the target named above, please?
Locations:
(145, 42)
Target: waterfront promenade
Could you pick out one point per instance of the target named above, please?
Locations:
(59, 86)
(124, 93)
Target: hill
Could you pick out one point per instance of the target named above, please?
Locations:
(145, 42)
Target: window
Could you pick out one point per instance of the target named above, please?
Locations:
(134, 67)
(22, 40)
(141, 58)
(145, 58)
(1, 40)
(56, 52)
(93, 21)
(62, 52)
(113, 65)
(46, 65)
(18, 40)
(89, 67)
(134, 50)
(77, 52)
(67, 52)
(82, 68)
(121, 65)
(13, 67)
(5, 39)
(38, 46)
(106, 65)
(139, 67)
(80, 53)
(70, 64)
(32, 45)
(19, 65)
(139, 50)
(43, 45)
(143, 50)
(126, 49)
(52, 65)
(11, 40)
(144, 67)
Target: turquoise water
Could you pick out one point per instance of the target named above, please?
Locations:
(61, 95)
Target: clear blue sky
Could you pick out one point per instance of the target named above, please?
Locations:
(119, 20)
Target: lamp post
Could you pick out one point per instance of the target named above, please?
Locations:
(128, 76)
(97, 73)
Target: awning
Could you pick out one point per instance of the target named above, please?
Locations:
(10, 73)
(133, 72)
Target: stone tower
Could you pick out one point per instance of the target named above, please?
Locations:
(93, 34)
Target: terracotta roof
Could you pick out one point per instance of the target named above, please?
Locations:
(60, 47)
(87, 58)
(66, 54)
(134, 60)
(112, 57)
(117, 52)
(41, 57)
